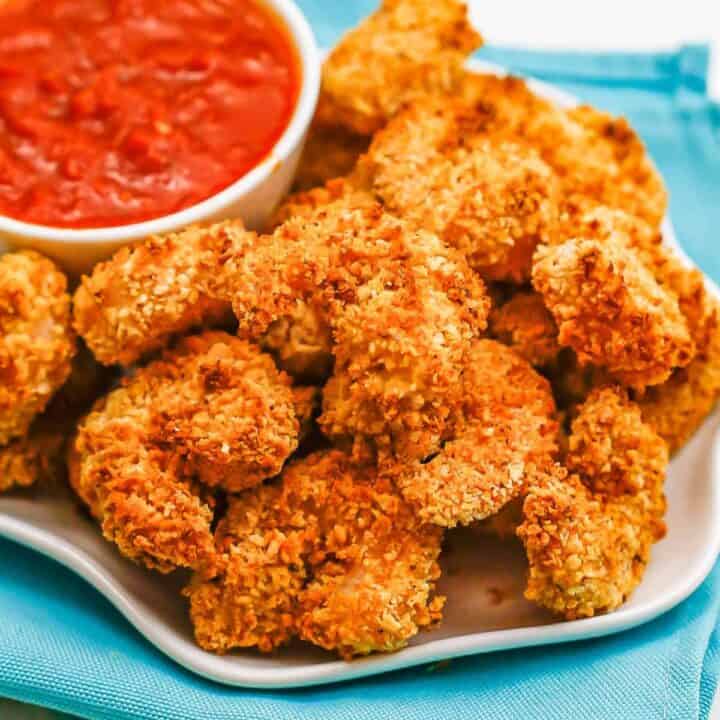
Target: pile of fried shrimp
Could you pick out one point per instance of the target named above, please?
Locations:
(465, 315)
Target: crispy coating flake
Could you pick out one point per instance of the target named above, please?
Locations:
(330, 152)
(678, 407)
(37, 343)
(331, 554)
(492, 198)
(588, 537)
(508, 437)
(402, 308)
(611, 311)
(213, 408)
(144, 295)
(405, 49)
(526, 325)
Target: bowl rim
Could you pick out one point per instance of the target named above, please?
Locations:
(308, 55)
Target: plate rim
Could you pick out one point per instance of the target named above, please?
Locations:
(215, 668)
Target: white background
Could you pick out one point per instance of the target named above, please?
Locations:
(581, 25)
(604, 24)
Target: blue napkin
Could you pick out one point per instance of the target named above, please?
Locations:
(63, 646)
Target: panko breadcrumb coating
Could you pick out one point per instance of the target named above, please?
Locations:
(403, 309)
(405, 49)
(301, 344)
(611, 311)
(526, 325)
(213, 408)
(492, 198)
(507, 438)
(677, 408)
(331, 554)
(34, 458)
(37, 342)
(38, 456)
(595, 155)
(330, 152)
(144, 295)
(588, 536)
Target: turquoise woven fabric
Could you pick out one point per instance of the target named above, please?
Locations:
(62, 645)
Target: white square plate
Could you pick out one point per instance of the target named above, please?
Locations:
(482, 577)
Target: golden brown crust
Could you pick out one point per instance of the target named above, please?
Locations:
(677, 408)
(588, 536)
(37, 343)
(405, 49)
(301, 344)
(331, 554)
(492, 198)
(526, 325)
(506, 438)
(214, 407)
(402, 307)
(611, 311)
(144, 295)
(34, 458)
(596, 156)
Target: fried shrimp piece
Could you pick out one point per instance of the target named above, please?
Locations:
(231, 410)
(38, 456)
(144, 295)
(401, 305)
(526, 325)
(595, 155)
(588, 536)
(213, 408)
(331, 554)
(330, 152)
(301, 344)
(37, 343)
(507, 438)
(686, 283)
(405, 49)
(611, 311)
(492, 198)
(614, 450)
(677, 408)
(616, 170)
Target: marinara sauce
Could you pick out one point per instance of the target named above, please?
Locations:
(118, 111)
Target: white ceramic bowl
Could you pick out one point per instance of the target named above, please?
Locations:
(252, 198)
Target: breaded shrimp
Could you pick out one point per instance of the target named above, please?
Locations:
(526, 325)
(402, 308)
(588, 536)
(37, 342)
(686, 283)
(678, 407)
(611, 311)
(508, 437)
(137, 301)
(405, 49)
(492, 198)
(214, 408)
(38, 456)
(331, 554)
(330, 152)
(595, 155)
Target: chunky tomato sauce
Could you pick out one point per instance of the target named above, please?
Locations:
(118, 111)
